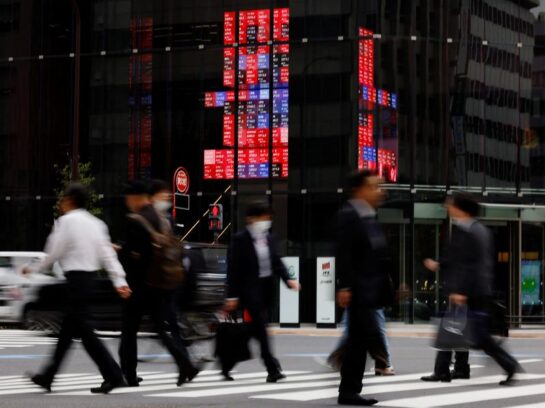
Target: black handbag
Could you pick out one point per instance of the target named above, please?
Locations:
(456, 331)
(232, 344)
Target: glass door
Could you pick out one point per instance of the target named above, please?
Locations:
(531, 273)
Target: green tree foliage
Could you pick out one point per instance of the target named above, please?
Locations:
(86, 178)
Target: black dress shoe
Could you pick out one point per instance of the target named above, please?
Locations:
(510, 380)
(275, 377)
(40, 380)
(355, 399)
(436, 378)
(134, 382)
(459, 375)
(106, 387)
(227, 376)
(187, 375)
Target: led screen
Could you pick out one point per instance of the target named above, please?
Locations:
(377, 116)
(255, 101)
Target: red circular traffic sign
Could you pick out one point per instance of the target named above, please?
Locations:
(181, 180)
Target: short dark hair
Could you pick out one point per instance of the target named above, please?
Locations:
(137, 187)
(78, 193)
(158, 185)
(358, 179)
(466, 203)
(258, 209)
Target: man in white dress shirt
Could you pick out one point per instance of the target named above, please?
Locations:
(81, 244)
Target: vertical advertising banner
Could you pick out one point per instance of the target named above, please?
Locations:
(289, 300)
(325, 291)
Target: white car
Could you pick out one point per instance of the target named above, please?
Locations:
(17, 291)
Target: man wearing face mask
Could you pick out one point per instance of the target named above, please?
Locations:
(253, 261)
(161, 199)
(137, 256)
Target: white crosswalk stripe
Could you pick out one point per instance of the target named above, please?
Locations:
(23, 339)
(404, 390)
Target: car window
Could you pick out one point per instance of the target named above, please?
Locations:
(20, 261)
(5, 262)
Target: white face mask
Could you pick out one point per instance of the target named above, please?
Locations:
(162, 206)
(261, 227)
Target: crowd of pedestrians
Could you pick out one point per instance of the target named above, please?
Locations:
(146, 270)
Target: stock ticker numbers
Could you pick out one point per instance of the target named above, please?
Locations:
(377, 116)
(256, 100)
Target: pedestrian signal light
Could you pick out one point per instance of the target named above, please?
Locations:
(215, 217)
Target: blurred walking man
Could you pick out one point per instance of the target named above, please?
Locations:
(252, 262)
(365, 285)
(81, 244)
(468, 266)
(136, 254)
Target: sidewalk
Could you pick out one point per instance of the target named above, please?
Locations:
(401, 330)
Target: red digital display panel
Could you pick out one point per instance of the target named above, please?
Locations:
(140, 99)
(259, 112)
(219, 164)
(377, 146)
(229, 28)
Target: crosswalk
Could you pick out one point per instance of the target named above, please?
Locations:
(405, 390)
(23, 339)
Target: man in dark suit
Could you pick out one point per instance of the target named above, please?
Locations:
(362, 278)
(467, 266)
(136, 255)
(253, 261)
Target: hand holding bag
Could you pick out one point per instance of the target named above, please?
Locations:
(455, 331)
(232, 346)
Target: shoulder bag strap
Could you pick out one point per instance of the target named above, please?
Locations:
(145, 223)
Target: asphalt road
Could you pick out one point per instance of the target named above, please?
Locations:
(310, 382)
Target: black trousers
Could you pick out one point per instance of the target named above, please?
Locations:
(151, 302)
(483, 341)
(258, 307)
(76, 323)
(443, 359)
(363, 331)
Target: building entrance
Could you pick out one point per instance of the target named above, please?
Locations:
(519, 240)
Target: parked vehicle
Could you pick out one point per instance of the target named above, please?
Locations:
(19, 293)
(201, 295)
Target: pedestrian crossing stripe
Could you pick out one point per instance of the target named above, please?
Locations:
(460, 398)
(199, 382)
(24, 339)
(383, 389)
(300, 386)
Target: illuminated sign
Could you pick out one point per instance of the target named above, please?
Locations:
(374, 102)
(256, 100)
(181, 180)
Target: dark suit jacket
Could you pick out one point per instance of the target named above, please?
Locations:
(243, 270)
(362, 260)
(136, 250)
(467, 264)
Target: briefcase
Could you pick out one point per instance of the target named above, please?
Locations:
(455, 330)
(232, 346)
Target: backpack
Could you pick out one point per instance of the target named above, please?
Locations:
(166, 270)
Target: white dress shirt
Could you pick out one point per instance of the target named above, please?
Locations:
(81, 242)
(262, 250)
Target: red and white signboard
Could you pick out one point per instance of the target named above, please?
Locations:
(181, 180)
